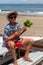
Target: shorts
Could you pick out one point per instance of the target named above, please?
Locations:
(17, 44)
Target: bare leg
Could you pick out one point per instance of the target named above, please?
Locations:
(28, 43)
(28, 48)
(12, 49)
(14, 56)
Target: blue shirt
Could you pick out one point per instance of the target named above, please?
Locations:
(9, 29)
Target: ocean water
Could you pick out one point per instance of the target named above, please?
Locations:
(22, 7)
(32, 9)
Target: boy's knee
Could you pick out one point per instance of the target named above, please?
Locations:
(31, 41)
(11, 44)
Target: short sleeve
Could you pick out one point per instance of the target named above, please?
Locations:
(5, 35)
(6, 31)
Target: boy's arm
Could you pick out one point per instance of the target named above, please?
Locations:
(22, 30)
(16, 34)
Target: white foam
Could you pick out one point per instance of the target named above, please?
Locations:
(24, 13)
(31, 13)
(4, 12)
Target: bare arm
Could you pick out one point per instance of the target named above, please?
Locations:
(16, 34)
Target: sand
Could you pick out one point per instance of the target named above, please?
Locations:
(35, 30)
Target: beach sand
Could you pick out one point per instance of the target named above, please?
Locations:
(35, 30)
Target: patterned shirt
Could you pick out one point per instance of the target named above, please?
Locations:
(9, 29)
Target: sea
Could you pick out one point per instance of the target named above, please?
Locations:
(29, 9)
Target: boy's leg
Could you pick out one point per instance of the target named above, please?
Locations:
(11, 44)
(28, 43)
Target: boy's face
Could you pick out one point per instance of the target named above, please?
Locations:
(13, 18)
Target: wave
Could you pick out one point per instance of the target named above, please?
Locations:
(31, 13)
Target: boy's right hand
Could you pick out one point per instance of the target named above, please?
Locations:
(24, 28)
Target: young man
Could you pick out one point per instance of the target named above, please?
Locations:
(12, 38)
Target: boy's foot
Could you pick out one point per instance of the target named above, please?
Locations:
(15, 63)
(27, 59)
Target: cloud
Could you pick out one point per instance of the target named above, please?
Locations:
(20, 1)
(13, 1)
(24, 0)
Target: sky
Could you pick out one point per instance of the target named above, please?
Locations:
(21, 1)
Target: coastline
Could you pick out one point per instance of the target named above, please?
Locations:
(26, 13)
(29, 13)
